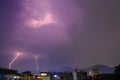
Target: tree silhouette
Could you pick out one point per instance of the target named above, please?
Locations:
(117, 72)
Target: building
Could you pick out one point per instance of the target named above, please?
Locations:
(79, 74)
(44, 76)
(66, 75)
(8, 74)
(94, 72)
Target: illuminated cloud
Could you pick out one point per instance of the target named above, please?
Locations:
(35, 23)
(88, 34)
(38, 13)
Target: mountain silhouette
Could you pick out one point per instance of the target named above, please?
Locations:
(101, 68)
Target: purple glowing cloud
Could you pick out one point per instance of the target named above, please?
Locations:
(38, 13)
(66, 32)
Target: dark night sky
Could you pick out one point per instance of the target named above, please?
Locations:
(77, 33)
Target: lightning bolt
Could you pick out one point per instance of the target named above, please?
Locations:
(13, 60)
(36, 62)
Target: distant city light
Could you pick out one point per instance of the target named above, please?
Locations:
(16, 77)
(55, 76)
(43, 74)
(38, 77)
